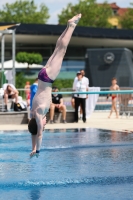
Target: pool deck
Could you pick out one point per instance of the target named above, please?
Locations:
(97, 120)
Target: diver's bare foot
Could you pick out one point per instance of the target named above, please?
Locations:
(109, 116)
(75, 19)
(117, 116)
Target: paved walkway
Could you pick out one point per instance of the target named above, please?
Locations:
(97, 120)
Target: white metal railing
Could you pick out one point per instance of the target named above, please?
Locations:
(124, 101)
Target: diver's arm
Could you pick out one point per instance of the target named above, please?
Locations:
(37, 139)
(39, 132)
(34, 139)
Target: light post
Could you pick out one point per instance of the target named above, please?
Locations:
(2, 57)
(3, 33)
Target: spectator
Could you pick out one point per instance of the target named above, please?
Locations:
(73, 98)
(87, 82)
(84, 77)
(33, 90)
(27, 92)
(73, 101)
(114, 87)
(80, 85)
(57, 105)
(10, 92)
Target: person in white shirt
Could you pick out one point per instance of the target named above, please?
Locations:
(73, 98)
(84, 77)
(87, 82)
(80, 85)
(83, 74)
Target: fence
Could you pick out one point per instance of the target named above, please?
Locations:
(124, 100)
(97, 100)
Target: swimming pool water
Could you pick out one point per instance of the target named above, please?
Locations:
(77, 164)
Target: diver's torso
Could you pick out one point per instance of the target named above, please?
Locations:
(42, 99)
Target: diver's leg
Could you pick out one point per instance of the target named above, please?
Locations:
(56, 47)
(56, 61)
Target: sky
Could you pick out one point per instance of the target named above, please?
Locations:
(56, 6)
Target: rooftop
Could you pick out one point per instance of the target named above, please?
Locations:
(114, 5)
(80, 31)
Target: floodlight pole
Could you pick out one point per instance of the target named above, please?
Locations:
(2, 57)
(13, 51)
(13, 55)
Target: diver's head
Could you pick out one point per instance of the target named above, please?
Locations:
(32, 126)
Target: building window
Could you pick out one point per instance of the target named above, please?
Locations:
(114, 12)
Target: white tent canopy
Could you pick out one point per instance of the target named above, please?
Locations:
(8, 65)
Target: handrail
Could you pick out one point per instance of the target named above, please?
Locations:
(91, 92)
(98, 92)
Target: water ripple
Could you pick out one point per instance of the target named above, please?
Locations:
(69, 182)
(62, 148)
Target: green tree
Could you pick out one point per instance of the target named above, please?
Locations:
(24, 12)
(95, 15)
(127, 19)
(29, 58)
(20, 80)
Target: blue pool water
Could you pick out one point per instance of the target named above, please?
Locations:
(78, 164)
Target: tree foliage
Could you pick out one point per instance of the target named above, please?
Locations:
(94, 14)
(63, 83)
(24, 12)
(20, 80)
(59, 83)
(127, 19)
(30, 58)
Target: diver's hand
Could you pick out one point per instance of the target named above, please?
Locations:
(32, 154)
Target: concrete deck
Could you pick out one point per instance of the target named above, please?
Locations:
(98, 120)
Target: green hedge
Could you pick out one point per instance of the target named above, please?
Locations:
(63, 83)
(21, 80)
(60, 83)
